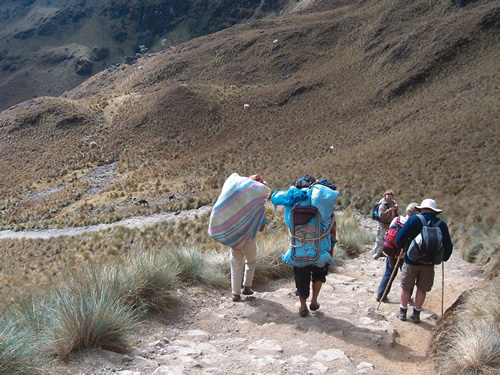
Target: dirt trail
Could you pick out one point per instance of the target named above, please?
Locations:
(132, 222)
(207, 333)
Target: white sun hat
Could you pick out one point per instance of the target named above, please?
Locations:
(430, 204)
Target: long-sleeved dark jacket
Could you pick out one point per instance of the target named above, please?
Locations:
(413, 227)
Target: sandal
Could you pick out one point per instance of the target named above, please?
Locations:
(303, 313)
(236, 298)
(313, 306)
(247, 291)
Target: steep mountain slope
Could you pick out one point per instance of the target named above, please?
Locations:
(50, 46)
(406, 92)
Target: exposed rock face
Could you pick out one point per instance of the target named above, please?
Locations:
(113, 29)
(83, 67)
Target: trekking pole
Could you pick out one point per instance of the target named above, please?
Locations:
(391, 278)
(442, 287)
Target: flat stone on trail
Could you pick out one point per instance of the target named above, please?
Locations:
(267, 360)
(340, 279)
(364, 368)
(367, 336)
(197, 335)
(169, 370)
(266, 345)
(319, 367)
(205, 347)
(331, 355)
(299, 359)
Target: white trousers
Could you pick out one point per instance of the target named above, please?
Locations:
(249, 251)
(379, 242)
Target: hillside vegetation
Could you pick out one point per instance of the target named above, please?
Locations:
(48, 47)
(369, 94)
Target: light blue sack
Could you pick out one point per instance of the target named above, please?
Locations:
(323, 198)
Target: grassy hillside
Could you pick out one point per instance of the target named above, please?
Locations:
(48, 47)
(406, 92)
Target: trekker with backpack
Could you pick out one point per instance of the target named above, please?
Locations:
(429, 244)
(309, 216)
(392, 251)
(386, 212)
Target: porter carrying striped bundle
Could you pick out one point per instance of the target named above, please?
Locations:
(239, 211)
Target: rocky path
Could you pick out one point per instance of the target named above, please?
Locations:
(207, 333)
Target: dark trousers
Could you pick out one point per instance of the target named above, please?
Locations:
(390, 262)
(305, 275)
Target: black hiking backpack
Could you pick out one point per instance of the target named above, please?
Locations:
(427, 247)
(375, 211)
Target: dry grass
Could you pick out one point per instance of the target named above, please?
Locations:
(185, 128)
(405, 91)
(352, 238)
(29, 264)
(467, 341)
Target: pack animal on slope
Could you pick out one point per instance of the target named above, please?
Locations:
(140, 202)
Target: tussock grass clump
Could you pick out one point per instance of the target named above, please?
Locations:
(352, 238)
(87, 317)
(192, 267)
(147, 279)
(480, 246)
(19, 350)
(467, 341)
(269, 264)
(476, 349)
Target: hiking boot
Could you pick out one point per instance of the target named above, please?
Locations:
(402, 314)
(385, 300)
(415, 316)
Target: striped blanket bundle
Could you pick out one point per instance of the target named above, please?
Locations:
(239, 211)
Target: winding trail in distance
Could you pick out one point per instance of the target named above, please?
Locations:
(131, 223)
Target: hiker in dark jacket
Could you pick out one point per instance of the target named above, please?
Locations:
(414, 273)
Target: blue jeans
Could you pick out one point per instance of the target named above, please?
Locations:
(390, 262)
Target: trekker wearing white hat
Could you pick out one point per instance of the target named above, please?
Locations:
(418, 273)
(429, 204)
